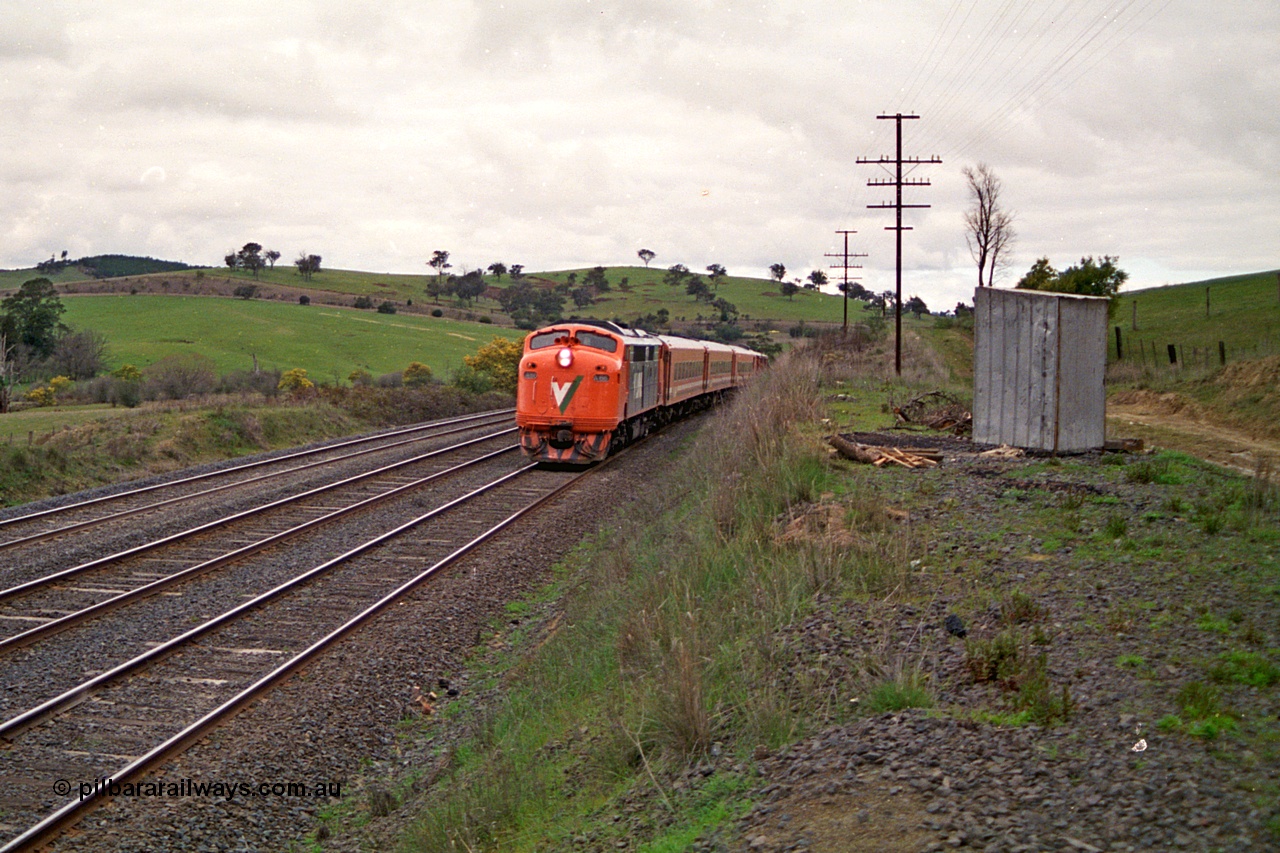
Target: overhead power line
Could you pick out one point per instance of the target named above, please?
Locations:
(898, 183)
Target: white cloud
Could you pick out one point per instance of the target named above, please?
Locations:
(570, 134)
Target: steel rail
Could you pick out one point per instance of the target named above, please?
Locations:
(29, 586)
(16, 725)
(92, 522)
(70, 620)
(51, 825)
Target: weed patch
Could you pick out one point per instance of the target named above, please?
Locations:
(1251, 668)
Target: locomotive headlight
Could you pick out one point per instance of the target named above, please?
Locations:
(564, 358)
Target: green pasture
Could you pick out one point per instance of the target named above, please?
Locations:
(328, 342)
(1243, 312)
(755, 298)
(11, 280)
(16, 427)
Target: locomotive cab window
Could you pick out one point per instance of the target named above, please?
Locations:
(544, 340)
(597, 341)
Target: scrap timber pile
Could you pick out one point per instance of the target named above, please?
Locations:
(870, 454)
(935, 410)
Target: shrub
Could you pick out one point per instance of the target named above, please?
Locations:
(416, 375)
(265, 382)
(436, 312)
(363, 302)
(467, 378)
(500, 359)
(387, 307)
(360, 377)
(304, 299)
(246, 291)
(295, 380)
(180, 375)
(125, 393)
(127, 372)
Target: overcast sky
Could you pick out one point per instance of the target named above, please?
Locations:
(569, 134)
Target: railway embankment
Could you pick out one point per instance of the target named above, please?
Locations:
(770, 649)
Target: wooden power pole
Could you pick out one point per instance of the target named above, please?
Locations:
(845, 266)
(899, 183)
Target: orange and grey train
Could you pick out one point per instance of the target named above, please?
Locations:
(587, 387)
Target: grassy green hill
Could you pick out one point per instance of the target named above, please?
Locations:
(328, 342)
(1244, 313)
(755, 299)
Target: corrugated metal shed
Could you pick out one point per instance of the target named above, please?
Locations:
(1038, 366)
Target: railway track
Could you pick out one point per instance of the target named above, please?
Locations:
(125, 720)
(64, 598)
(24, 529)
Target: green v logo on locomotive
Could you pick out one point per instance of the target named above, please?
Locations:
(564, 393)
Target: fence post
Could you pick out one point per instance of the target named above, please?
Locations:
(1206, 303)
(1173, 354)
(1119, 346)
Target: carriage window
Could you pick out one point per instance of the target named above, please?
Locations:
(597, 341)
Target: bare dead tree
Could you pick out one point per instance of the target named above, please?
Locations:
(988, 226)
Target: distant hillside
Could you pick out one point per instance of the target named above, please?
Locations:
(1242, 311)
(60, 270)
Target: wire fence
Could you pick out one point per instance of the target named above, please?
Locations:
(1206, 355)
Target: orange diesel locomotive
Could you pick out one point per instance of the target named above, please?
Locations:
(589, 386)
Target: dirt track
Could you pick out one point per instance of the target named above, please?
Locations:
(1183, 431)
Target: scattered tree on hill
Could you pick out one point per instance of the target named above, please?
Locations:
(675, 275)
(308, 265)
(249, 258)
(529, 306)
(439, 262)
(32, 317)
(817, 278)
(1088, 278)
(646, 255)
(499, 269)
(778, 272)
(988, 227)
(789, 289)
(698, 288)
(596, 278)
(517, 271)
(728, 311)
(468, 286)
(915, 305)
(500, 361)
(856, 291)
(582, 296)
(717, 272)
(272, 256)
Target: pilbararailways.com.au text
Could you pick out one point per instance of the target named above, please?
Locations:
(225, 790)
